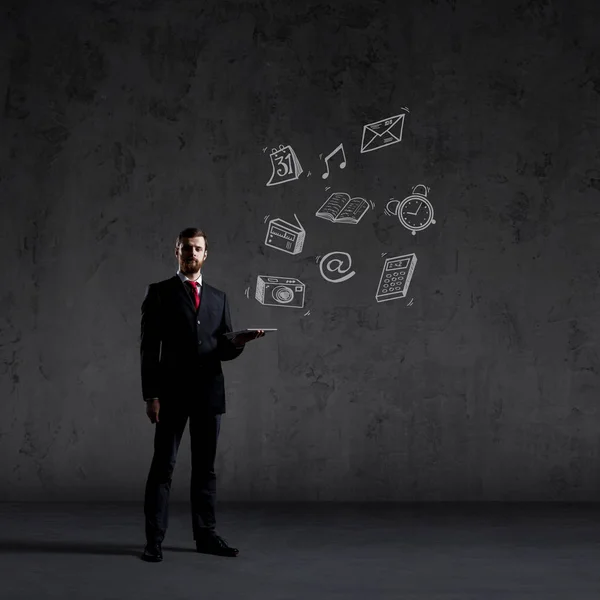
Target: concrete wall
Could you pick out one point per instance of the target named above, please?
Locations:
(125, 122)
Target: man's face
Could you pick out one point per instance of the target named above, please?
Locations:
(191, 255)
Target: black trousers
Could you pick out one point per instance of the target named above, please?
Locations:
(204, 433)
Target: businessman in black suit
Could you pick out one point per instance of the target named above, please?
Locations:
(181, 349)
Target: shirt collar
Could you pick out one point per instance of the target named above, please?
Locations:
(184, 278)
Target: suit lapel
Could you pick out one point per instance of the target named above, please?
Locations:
(205, 299)
(187, 301)
(183, 294)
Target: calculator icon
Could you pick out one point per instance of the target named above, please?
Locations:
(395, 277)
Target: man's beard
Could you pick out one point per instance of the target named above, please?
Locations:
(191, 266)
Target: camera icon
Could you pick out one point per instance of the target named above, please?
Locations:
(280, 291)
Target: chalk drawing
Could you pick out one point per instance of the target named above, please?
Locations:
(382, 134)
(330, 155)
(285, 164)
(415, 212)
(341, 208)
(280, 291)
(285, 236)
(340, 264)
(395, 277)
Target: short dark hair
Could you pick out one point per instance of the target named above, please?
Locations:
(191, 232)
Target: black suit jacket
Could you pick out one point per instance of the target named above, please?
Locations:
(180, 349)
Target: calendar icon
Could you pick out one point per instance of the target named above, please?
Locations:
(285, 164)
(395, 277)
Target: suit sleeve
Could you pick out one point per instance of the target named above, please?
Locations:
(150, 341)
(226, 348)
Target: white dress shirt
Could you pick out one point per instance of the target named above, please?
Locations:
(185, 278)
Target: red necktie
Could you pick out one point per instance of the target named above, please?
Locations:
(196, 295)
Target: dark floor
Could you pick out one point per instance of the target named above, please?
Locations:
(306, 551)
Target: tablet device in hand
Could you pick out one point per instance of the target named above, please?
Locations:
(234, 334)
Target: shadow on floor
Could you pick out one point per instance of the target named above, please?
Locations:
(57, 547)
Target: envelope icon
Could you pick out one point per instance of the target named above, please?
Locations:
(382, 133)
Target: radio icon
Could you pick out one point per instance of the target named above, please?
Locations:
(280, 291)
(285, 236)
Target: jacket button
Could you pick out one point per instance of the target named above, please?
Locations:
(198, 322)
(199, 343)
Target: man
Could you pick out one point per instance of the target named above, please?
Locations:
(181, 349)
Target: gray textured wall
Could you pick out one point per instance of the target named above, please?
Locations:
(124, 122)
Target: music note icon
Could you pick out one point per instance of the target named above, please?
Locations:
(342, 163)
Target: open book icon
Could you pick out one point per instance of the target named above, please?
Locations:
(341, 208)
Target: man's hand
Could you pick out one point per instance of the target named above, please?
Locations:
(244, 338)
(152, 409)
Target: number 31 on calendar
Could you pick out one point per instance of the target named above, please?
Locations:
(285, 164)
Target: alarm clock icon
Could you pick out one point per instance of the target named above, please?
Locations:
(415, 211)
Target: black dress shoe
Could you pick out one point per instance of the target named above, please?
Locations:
(152, 553)
(215, 544)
